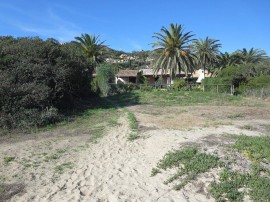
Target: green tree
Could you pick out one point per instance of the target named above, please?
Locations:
(92, 47)
(251, 56)
(40, 79)
(173, 48)
(206, 51)
(105, 75)
(226, 60)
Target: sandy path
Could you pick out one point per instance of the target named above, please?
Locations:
(116, 169)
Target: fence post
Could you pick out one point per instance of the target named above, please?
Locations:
(217, 88)
(262, 93)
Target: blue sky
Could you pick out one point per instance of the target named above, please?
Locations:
(129, 25)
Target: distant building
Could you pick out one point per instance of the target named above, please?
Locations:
(130, 76)
(200, 74)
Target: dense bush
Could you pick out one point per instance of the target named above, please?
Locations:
(257, 87)
(105, 75)
(38, 78)
(179, 84)
(248, 79)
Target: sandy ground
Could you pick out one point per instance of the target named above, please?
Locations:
(116, 169)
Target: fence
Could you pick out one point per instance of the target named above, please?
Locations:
(218, 88)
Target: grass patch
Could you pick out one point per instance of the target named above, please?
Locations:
(189, 163)
(60, 169)
(182, 98)
(254, 148)
(133, 124)
(267, 127)
(231, 182)
(248, 127)
(232, 185)
(235, 116)
(8, 159)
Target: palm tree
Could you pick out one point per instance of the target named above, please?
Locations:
(173, 48)
(226, 59)
(251, 56)
(206, 52)
(92, 48)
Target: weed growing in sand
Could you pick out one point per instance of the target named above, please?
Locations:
(8, 159)
(254, 148)
(189, 163)
(267, 127)
(132, 121)
(133, 124)
(60, 169)
(234, 185)
(248, 127)
(155, 171)
(235, 116)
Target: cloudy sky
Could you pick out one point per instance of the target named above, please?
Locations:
(129, 25)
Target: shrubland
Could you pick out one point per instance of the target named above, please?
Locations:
(39, 80)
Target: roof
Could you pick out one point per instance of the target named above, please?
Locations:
(146, 72)
(127, 73)
(150, 72)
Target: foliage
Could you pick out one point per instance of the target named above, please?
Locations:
(179, 84)
(230, 182)
(105, 75)
(246, 78)
(132, 121)
(250, 56)
(206, 52)
(256, 148)
(133, 124)
(91, 47)
(174, 98)
(8, 159)
(141, 78)
(175, 55)
(226, 60)
(189, 162)
(37, 79)
(257, 86)
(60, 169)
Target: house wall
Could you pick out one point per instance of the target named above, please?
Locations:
(152, 80)
(123, 80)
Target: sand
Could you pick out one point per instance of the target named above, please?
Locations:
(116, 169)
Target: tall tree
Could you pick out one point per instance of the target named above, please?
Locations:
(251, 56)
(92, 47)
(226, 59)
(173, 48)
(206, 51)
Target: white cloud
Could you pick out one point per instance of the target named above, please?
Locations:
(46, 25)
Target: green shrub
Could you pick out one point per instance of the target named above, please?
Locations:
(179, 84)
(257, 87)
(38, 78)
(105, 75)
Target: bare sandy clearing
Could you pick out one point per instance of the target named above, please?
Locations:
(116, 169)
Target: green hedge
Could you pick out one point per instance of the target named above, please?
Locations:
(38, 79)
